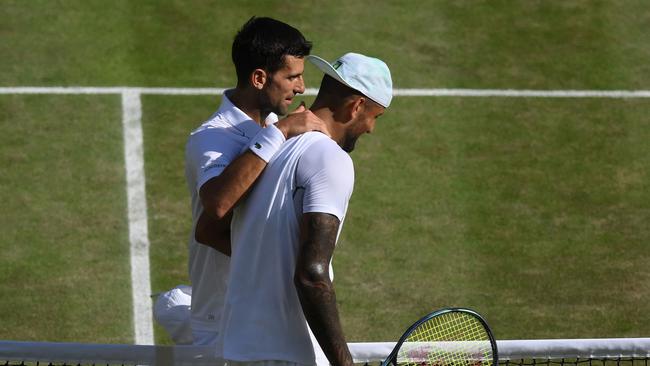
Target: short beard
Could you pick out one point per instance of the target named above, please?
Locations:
(267, 107)
(348, 144)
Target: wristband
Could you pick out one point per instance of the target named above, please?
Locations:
(267, 142)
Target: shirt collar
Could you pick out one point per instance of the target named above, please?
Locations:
(240, 120)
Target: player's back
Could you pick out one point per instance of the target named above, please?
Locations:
(263, 319)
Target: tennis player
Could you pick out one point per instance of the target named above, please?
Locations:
(269, 60)
(284, 232)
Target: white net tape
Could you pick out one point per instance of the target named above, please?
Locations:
(80, 353)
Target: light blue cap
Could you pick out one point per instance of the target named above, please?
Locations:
(368, 75)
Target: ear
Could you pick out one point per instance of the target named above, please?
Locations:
(356, 107)
(258, 78)
(350, 109)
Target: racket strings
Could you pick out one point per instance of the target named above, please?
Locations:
(449, 339)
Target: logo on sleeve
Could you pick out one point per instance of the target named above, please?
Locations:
(257, 145)
(211, 156)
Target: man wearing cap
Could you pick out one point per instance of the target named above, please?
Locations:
(284, 233)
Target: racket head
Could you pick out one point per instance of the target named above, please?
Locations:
(447, 337)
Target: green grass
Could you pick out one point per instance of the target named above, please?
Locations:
(512, 206)
(487, 44)
(65, 263)
(532, 211)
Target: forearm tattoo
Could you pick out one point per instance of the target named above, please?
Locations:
(315, 290)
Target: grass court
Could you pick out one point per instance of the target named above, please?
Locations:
(532, 211)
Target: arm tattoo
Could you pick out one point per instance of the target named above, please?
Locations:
(317, 240)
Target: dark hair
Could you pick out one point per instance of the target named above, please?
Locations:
(334, 91)
(262, 43)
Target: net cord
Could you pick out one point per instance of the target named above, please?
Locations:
(84, 353)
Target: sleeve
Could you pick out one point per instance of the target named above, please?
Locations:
(327, 174)
(208, 153)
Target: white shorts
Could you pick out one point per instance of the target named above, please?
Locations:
(209, 274)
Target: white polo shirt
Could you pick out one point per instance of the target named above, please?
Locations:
(263, 318)
(209, 149)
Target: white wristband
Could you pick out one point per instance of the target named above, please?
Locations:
(267, 142)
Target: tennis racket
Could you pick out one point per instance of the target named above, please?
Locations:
(447, 337)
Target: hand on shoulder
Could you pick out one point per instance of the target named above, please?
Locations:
(299, 121)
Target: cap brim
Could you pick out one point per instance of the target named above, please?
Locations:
(327, 68)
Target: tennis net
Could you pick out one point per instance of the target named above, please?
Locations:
(562, 352)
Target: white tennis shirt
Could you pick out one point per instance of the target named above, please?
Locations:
(209, 149)
(262, 318)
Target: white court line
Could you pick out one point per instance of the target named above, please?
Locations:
(522, 93)
(512, 93)
(137, 215)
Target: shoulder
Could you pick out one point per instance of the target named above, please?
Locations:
(325, 160)
(321, 146)
(215, 139)
(323, 149)
(215, 124)
(211, 143)
(216, 131)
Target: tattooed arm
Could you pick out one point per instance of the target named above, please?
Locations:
(318, 233)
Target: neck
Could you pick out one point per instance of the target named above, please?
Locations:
(246, 99)
(327, 115)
